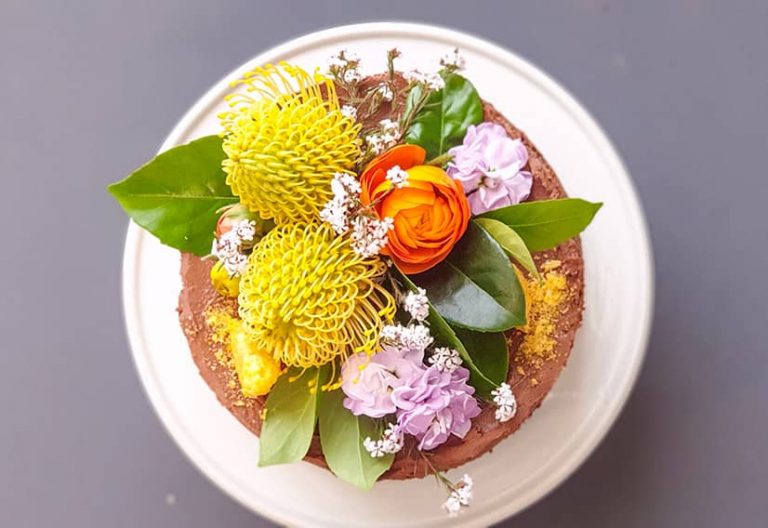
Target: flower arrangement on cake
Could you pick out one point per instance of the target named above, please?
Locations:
(381, 275)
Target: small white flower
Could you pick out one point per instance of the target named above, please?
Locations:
(389, 127)
(416, 303)
(344, 59)
(374, 447)
(226, 246)
(506, 404)
(460, 497)
(236, 264)
(352, 75)
(375, 143)
(452, 505)
(412, 337)
(397, 176)
(433, 81)
(445, 359)
(453, 59)
(349, 111)
(336, 214)
(346, 198)
(385, 91)
(387, 135)
(390, 443)
(369, 235)
(245, 230)
(349, 56)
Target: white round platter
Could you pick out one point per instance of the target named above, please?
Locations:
(576, 414)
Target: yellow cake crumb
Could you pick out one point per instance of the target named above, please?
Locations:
(534, 382)
(546, 298)
(551, 265)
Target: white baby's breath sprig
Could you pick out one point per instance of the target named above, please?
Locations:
(460, 496)
(453, 60)
(385, 91)
(445, 359)
(385, 137)
(352, 76)
(390, 442)
(230, 247)
(411, 337)
(245, 230)
(398, 177)
(506, 404)
(346, 200)
(432, 81)
(416, 303)
(369, 234)
(349, 111)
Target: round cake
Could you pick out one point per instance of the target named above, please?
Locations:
(538, 351)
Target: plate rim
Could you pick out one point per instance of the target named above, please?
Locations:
(560, 94)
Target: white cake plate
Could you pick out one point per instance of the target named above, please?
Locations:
(574, 417)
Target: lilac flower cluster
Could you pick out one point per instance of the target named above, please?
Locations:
(489, 164)
(429, 403)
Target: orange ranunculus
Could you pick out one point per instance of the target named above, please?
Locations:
(430, 212)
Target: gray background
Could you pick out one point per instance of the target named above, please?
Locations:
(90, 89)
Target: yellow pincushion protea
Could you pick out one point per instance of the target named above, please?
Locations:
(307, 296)
(285, 145)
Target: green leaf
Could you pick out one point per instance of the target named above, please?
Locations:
(176, 196)
(291, 415)
(341, 436)
(445, 335)
(509, 242)
(490, 355)
(476, 287)
(545, 224)
(446, 115)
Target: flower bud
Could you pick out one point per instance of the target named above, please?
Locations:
(226, 285)
(232, 214)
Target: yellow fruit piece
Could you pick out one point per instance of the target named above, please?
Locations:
(224, 284)
(256, 369)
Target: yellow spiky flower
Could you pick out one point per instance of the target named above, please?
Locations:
(285, 144)
(307, 296)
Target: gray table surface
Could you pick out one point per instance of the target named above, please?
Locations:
(90, 89)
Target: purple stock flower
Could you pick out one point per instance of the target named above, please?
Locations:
(489, 164)
(429, 404)
(368, 381)
(434, 405)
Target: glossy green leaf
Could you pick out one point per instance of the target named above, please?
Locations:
(341, 437)
(509, 242)
(490, 355)
(176, 196)
(545, 224)
(476, 287)
(291, 415)
(446, 115)
(446, 336)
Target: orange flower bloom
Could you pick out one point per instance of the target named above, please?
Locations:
(430, 212)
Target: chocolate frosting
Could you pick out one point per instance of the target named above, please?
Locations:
(531, 383)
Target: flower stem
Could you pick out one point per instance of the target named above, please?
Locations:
(440, 160)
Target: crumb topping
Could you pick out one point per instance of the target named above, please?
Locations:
(547, 297)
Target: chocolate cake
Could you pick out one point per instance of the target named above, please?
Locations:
(537, 355)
